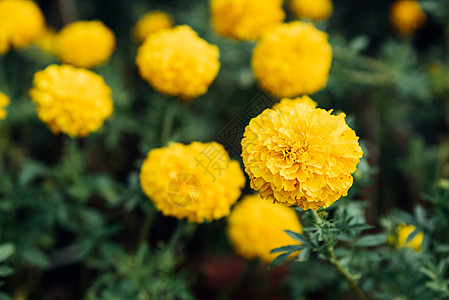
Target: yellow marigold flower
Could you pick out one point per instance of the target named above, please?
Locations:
(21, 22)
(150, 23)
(292, 59)
(4, 101)
(197, 181)
(177, 62)
(315, 10)
(292, 102)
(245, 20)
(255, 227)
(71, 100)
(300, 155)
(406, 16)
(84, 44)
(403, 231)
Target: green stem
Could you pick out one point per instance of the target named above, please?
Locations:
(169, 119)
(146, 226)
(184, 230)
(334, 260)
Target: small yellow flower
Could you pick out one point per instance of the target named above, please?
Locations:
(255, 227)
(84, 44)
(300, 155)
(177, 62)
(197, 181)
(403, 231)
(245, 20)
(406, 16)
(71, 100)
(292, 102)
(292, 59)
(314, 10)
(150, 23)
(21, 22)
(4, 101)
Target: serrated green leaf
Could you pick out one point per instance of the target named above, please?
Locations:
(290, 249)
(297, 236)
(6, 250)
(280, 260)
(371, 240)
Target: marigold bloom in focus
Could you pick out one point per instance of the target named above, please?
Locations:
(314, 10)
(403, 231)
(245, 20)
(150, 23)
(407, 16)
(21, 22)
(71, 100)
(292, 59)
(4, 101)
(84, 44)
(300, 155)
(177, 62)
(255, 227)
(197, 181)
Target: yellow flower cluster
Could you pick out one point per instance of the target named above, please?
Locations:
(292, 59)
(46, 40)
(403, 231)
(84, 44)
(71, 100)
(4, 101)
(21, 22)
(300, 155)
(314, 10)
(197, 181)
(406, 16)
(177, 62)
(150, 23)
(245, 20)
(255, 227)
(286, 102)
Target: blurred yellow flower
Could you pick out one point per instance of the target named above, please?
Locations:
(197, 181)
(255, 227)
(177, 62)
(406, 16)
(21, 22)
(4, 101)
(292, 59)
(150, 23)
(292, 102)
(403, 231)
(84, 44)
(314, 10)
(245, 20)
(71, 100)
(300, 155)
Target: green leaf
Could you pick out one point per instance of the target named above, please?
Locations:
(6, 271)
(359, 227)
(371, 240)
(412, 235)
(6, 250)
(291, 249)
(281, 259)
(36, 257)
(297, 236)
(304, 255)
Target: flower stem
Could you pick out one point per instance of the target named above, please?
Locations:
(146, 227)
(334, 260)
(169, 119)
